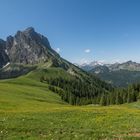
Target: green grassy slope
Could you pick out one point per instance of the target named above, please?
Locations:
(28, 110)
(26, 94)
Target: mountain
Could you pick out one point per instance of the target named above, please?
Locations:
(100, 69)
(29, 53)
(120, 78)
(29, 47)
(90, 66)
(117, 74)
(4, 59)
(23, 52)
(129, 65)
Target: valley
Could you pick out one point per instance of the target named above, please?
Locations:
(29, 110)
(117, 74)
(43, 96)
(69, 70)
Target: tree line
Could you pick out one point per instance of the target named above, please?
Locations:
(121, 95)
(78, 92)
(75, 91)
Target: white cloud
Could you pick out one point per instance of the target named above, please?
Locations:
(58, 50)
(87, 51)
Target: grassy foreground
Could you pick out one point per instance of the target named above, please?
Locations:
(28, 110)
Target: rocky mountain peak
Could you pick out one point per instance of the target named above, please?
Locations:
(28, 47)
(130, 62)
(29, 30)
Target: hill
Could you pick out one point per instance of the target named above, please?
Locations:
(29, 110)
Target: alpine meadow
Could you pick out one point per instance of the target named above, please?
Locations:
(79, 82)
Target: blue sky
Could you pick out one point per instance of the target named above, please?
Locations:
(83, 30)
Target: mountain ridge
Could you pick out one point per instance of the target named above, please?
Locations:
(128, 65)
(28, 47)
(117, 74)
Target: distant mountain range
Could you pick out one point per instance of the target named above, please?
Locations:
(118, 74)
(90, 66)
(129, 65)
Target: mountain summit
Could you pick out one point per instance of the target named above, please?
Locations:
(20, 53)
(28, 47)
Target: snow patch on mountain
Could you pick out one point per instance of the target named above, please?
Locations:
(6, 65)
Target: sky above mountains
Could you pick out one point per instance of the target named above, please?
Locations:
(80, 30)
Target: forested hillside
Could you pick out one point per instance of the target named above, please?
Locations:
(78, 89)
(122, 95)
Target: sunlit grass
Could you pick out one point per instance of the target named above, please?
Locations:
(28, 110)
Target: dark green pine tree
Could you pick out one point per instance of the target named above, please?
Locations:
(129, 98)
(119, 99)
(130, 94)
(107, 100)
(112, 98)
(77, 101)
(133, 95)
(103, 100)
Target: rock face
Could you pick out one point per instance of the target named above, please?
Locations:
(20, 53)
(26, 47)
(4, 59)
(29, 47)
